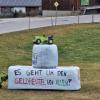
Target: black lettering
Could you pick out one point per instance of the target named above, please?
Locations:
(50, 82)
(17, 72)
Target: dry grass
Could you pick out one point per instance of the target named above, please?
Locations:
(78, 45)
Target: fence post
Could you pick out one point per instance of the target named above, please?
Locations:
(78, 19)
(51, 21)
(92, 18)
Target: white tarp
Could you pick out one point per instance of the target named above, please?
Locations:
(45, 56)
(60, 78)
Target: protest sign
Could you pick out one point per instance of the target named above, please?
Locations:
(60, 78)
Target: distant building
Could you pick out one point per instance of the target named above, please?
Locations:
(14, 8)
(66, 7)
(20, 8)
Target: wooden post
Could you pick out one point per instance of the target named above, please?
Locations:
(29, 22)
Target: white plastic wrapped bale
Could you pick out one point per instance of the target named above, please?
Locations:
(45, 56)
(60, 78)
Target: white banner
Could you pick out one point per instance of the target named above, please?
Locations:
(60, 78)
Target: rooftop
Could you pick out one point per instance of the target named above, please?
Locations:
(20, 3)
